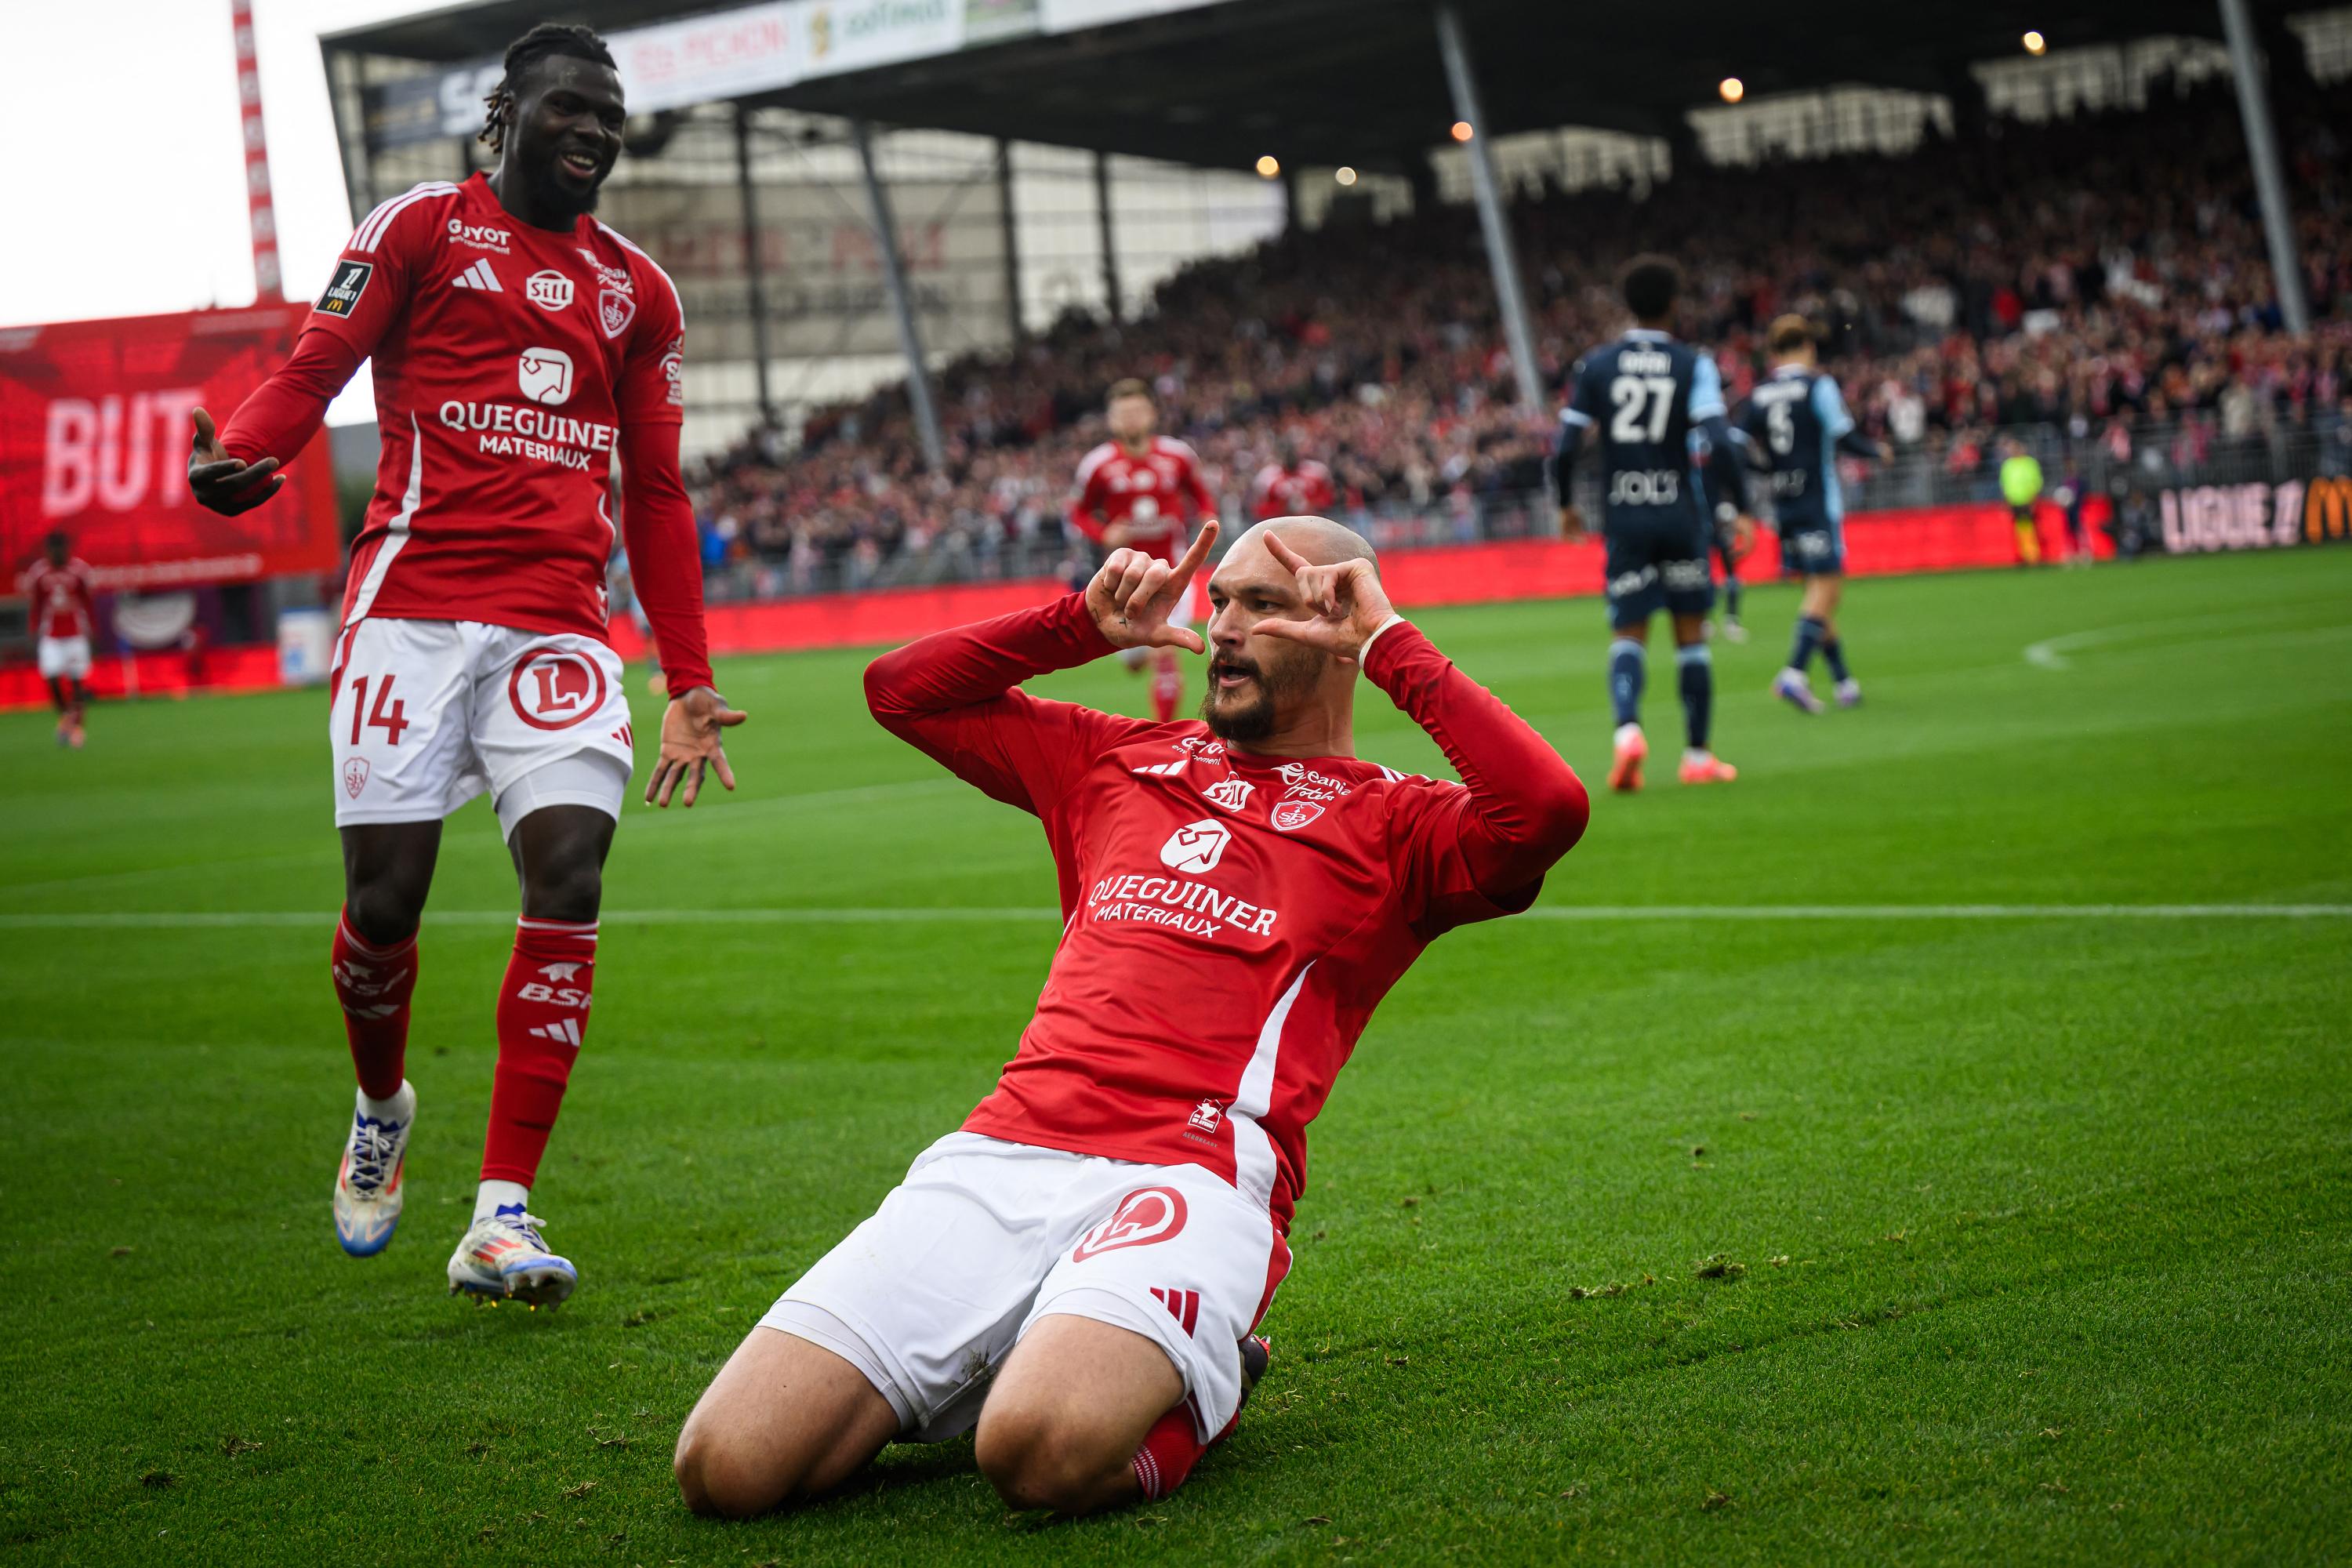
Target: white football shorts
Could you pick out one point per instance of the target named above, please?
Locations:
(429, 714)
(984, 1238)
(66, 657)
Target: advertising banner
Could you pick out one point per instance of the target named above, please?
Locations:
(94, 433)
(673, 64)
(2264, 515)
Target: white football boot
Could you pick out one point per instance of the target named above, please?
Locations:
(504, 1258)
(367, 1183)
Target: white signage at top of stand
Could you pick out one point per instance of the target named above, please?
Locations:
(673, 64)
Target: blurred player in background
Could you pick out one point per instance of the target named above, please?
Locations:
(1290, 485)
(518, 345)
(64, 615)
(1648, 394)
(1725, 538)
(1080, 1271)
(1143, 491)
(1797, 417)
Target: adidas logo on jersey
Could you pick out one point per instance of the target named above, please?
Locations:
(564, 1031)
(1163, 770)
(479, 276)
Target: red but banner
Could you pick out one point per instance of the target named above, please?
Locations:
(94, 433)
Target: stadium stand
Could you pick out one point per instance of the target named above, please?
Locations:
(2096, 283)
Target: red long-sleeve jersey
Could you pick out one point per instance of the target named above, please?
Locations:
(511, 365)
(1303, 491)
(1159, 495)
(64, 604)
(1231, 919)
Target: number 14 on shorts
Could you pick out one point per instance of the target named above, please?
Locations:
(390, 713)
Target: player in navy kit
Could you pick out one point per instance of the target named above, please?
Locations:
(1648, 394)
(1799, 420)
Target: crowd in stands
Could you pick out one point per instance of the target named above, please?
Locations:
(2103, 276)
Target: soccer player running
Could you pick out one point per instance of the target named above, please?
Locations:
(64, 612)
(1648, 394)
(1797, 417)
(518, 345)
(1134, 491)
(1080, 1271)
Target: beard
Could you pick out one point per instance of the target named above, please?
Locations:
(1251, 712)
(550, 193)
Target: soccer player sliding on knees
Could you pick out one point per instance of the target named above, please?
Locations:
(520, 346)
(1078, 1273)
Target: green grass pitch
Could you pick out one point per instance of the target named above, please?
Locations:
(2032, 1236)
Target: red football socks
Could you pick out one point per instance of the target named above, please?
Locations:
(374, 984)
(1169, 1451)
(542, 1019)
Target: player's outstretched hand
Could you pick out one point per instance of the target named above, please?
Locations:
(1571, 524)
(690, 742)
(219, 481)
(1342, 605)
(1134, 594)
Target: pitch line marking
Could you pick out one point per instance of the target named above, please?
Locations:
(168, 919)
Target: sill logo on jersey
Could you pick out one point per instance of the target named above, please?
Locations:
(549, 289)
(1229, 795)
(555, 687)
(1143, 1217)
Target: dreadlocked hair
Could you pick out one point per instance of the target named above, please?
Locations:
(547, 40)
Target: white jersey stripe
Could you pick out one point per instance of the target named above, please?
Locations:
(626, 243)
(371, 229)
(398, 533)
(1253, 1150)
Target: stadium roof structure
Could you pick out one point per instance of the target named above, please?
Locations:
(1372, 83)
(1360, 81)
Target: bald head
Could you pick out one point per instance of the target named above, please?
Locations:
(1319, 539)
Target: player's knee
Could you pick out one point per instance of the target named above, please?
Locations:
(382, 911)
(719, 1479)
(1035, 1461)
(570, 887)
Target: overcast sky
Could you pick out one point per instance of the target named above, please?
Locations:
(124, 177)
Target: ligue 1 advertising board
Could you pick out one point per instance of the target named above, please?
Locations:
(94, 431)
(2264, 515)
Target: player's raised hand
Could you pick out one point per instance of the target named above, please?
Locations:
(1134, 594)
(689, 743)
(1341, 605)
(220, 482)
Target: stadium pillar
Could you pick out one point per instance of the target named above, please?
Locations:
(2262, 149)
(1500, 256)
(343, 93)
(1012, 319)
(894, 277)
(754, 279)
(1109, 239)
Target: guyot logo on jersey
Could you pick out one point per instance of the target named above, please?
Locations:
(545, 375)
(555, 687)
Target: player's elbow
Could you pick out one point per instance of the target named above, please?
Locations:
(885, 696)
(1561, 810)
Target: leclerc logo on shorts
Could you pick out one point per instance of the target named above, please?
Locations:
(1143, 1217)
(554, 687)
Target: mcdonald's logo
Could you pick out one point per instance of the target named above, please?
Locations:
(2328, 510)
